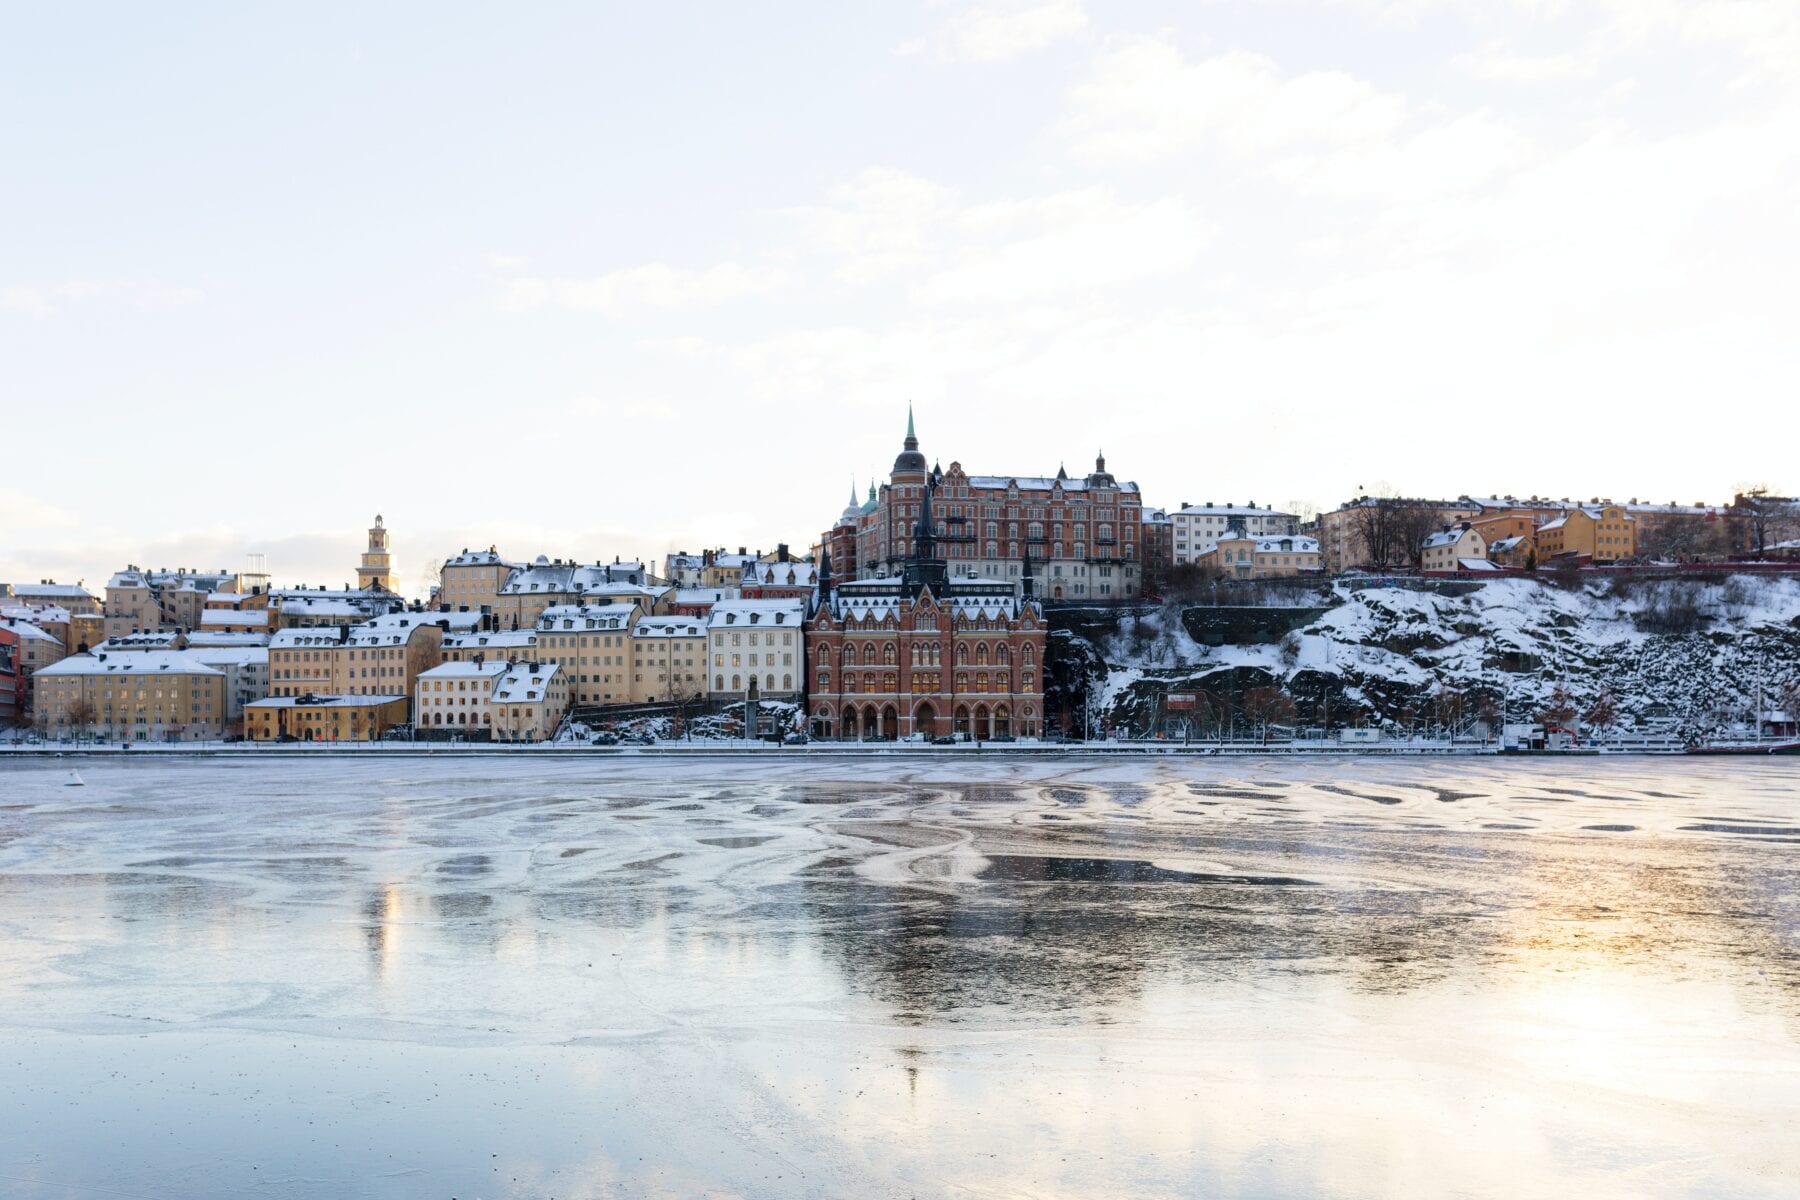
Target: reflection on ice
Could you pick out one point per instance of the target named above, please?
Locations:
(517, 979)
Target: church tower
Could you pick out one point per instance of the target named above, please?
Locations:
(377, 569)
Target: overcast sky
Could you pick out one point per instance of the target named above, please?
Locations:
(593, 281)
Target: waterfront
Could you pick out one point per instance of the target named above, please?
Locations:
(499, 977)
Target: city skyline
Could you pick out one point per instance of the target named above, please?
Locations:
(532, 287)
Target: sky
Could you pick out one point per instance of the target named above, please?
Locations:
(594, 280)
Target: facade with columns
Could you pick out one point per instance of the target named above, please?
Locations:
(1060, 537)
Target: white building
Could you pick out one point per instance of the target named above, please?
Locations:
(529, 702)
(1199, 526)
(458, 695)
(760, 638)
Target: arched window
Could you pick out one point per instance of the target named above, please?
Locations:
(869, 653)
(824, 656)
(787, 683)
(737, 683)
(718, 683)
(849, 655)
(962, 654)
(981, 654)
(887, 654)
(824, 681)
(1002, 655)
(1029, 654)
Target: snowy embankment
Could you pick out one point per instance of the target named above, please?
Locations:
(1693, 655)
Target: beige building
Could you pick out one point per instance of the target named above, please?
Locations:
(1197, 526)
(140, 601)
(324, 718)
(458, 696)
(1397, 524)
(1242, 557)
(1603, 533)
(668, 659)
(592, 644)
(553, 583)
(145, 696)
(529, 702)
(760, 638)
(383, 657)
(376, 571)
(504, 645)
(473, 580)
(1448, 549)
(48, 592)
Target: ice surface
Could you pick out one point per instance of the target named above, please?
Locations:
(899, 977)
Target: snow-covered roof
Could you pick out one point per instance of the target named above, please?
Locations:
(586, 616)
(479, 558)
(487, 639)
(49, 614)
(234, 616)
(1229, 510)
(547, 578)
(163, 639)
(1475, 564)
(712, 595)
(1506, 544)
(1039, 483)
(669, 627)
(26, 631)
(1558, 523)
(1447, 537)
(752, 613)
(1277, 544)
(787, 574)
(524, 683)
(308, 606)
(49, 591)
(235, 656)
(201, 638)
(137, 663)
(464, 670)
(182, 580)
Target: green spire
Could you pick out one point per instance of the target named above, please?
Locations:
(909, 421)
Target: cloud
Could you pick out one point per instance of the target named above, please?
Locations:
(659, 286)
(878, 224)
(505, 262)
(1495, 62)
(1145, 101)
(1072, 242)
(139, 293)
(988, 33)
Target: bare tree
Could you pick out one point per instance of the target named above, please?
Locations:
(81, 716)
(1559, 709)
(1448, 705)
(1393, 530)
(1265, 706)
(1766, 519)
(1603, 713)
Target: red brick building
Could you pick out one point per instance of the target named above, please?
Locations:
(924, 652)
(1079, 538)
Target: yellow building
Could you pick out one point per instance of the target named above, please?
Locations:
(553, 583)
(49, 593)
(529, 702)
(140, 601)
(473, 579)
(1603, 533)
(1449, 549)
(1261, 557)
(150, 695)
(592, 644)
(505, 645)
(1516, 552)
(458, 696)
(383, 657)
(313, 718)
(668, 659)
(377, 567)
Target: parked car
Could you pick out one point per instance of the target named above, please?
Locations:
(604, 737)
(944, 739)
(286, 737)
(795, 739)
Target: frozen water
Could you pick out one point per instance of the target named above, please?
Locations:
(900, 977)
